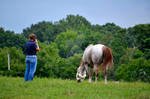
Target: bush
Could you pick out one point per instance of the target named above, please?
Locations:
(17, 62)
(136, 69)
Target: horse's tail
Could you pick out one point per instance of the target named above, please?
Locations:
(107, 58)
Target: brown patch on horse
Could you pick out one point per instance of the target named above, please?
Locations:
(107, 58)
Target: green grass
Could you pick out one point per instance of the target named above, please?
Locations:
(16, 88)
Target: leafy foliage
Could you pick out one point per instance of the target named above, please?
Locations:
(65, 42)
(136, 69)
(47, 57)
(10, 39)
(45, 31)
(17, 62)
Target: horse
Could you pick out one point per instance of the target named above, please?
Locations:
(98, 57)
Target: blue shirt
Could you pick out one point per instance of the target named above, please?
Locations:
(31, 48)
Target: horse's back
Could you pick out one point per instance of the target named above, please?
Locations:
(97, 53)
(93, 53)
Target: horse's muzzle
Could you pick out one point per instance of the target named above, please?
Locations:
(79, 81)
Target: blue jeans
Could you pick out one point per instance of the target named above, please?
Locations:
(31, 63)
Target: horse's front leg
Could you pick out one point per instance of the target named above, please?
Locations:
(95, 69)
(89, 73)
(90, 77)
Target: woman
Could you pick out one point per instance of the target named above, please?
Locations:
(31, 58)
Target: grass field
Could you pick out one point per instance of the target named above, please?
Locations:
(16, 88)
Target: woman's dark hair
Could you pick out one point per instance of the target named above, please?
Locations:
(32, 36)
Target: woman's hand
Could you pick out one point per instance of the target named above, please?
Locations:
(36, 41)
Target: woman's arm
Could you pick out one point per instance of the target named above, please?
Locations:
(37, 49)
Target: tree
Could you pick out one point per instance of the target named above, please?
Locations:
(136, 69)
(142, 32)
(72, 22)
(47, 57)
(17, 62)
(111, 27)
(45, 31)
(65, 42)
(10, 39)
(118, 46)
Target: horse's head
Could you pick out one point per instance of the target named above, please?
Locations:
(81, 73)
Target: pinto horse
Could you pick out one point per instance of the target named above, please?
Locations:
(98, 57)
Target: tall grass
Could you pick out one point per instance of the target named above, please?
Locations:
(16, 88)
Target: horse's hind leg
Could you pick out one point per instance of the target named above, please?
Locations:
(106, 69)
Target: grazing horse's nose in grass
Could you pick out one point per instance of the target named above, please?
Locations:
(78, 81)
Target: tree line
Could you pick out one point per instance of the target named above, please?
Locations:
(62, 44)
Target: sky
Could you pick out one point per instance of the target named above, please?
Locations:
(17, 15)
